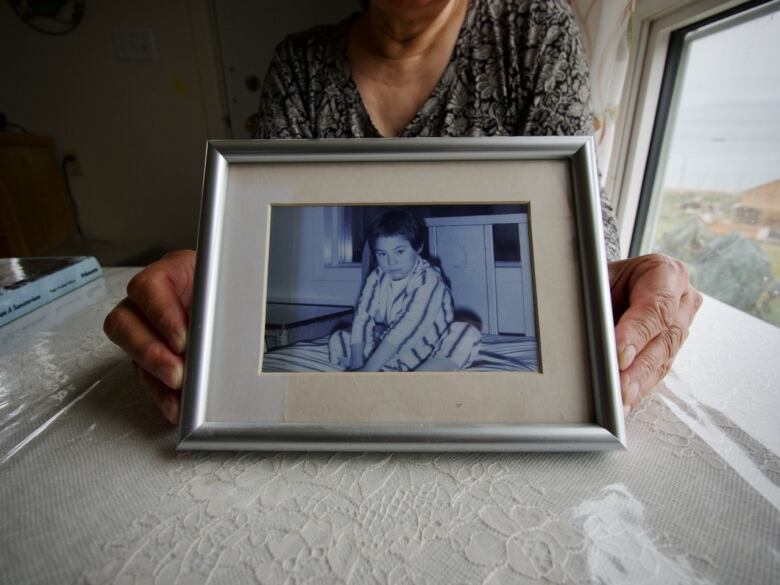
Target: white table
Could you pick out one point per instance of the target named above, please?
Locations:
(92, 490)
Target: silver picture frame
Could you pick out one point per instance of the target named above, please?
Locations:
(228, 403)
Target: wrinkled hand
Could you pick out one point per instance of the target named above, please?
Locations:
(150, 325)
(653, 303)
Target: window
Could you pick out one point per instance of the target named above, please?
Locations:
(711, 189)
(345, 229)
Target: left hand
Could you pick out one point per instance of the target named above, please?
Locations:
(653, 303)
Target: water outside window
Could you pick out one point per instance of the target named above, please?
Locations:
(717, 204)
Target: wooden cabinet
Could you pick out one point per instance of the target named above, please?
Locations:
(35, 213)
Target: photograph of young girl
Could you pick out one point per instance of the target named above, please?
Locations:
(437, 288)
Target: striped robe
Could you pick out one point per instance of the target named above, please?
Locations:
(418, 320)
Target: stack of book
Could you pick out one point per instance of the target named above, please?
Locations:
(28, 283)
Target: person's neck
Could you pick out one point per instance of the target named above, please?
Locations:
(397, 35)
(397, 53)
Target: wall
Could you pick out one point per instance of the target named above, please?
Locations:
(295, 261)
(139, 128)
(249, 31)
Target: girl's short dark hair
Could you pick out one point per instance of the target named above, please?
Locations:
(397, 222)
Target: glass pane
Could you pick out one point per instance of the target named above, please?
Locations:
(716, 202)
(506, 242)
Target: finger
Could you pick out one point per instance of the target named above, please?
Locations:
(655, 360)
(153, 294)
(644, 375)
(128, 328)
(640, 324)
(632, 394)
(163, 292)
(691, 303)
(167, 400)
(654, 305)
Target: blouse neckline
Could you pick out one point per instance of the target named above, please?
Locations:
(442, 84)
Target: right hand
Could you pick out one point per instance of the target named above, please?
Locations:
(150, 325)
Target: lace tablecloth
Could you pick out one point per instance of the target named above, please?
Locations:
(91, 489)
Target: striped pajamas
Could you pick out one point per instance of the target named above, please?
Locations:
(418, 320)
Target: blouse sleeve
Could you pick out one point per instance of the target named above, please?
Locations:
(363, 321)
(555, 98)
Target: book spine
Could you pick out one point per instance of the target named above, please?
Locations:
(70, 278)
(21, 301)
(32, 295)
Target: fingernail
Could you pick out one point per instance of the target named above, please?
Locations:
(178, 342)
(172, 376)
(626, 410)
(626, 357)
(170, 410)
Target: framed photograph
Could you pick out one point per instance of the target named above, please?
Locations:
(402, 295)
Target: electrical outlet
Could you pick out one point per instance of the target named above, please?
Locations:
(73, 167)
(134, 44)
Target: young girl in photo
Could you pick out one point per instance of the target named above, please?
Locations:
(404, 317)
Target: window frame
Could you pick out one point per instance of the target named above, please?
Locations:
(653, 23)
(335, 242)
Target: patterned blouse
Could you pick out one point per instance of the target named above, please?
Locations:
(517, 69)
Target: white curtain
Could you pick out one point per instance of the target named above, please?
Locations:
(606, 33)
